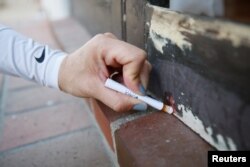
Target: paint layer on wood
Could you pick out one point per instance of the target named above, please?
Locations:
(204, 63)
(166, 24)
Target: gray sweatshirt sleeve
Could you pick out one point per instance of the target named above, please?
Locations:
(23, 57)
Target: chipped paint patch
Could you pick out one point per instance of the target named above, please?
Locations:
(168, 29)
(237, 34)
(173, 26)
(222, 143)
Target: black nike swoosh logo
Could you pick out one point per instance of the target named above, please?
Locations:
(41, 58)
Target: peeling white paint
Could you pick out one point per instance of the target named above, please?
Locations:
(166, 24)
(222, 143)
(226, 31)
(158, 42)
(167, 28)
(231, 144)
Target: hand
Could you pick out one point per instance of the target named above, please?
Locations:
(84, 72)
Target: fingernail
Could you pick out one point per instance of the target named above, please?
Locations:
(140, 107)
(142, 89)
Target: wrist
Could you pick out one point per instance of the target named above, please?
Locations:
(53, 68)
(61, 74)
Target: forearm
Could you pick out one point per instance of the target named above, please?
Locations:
(22, 56)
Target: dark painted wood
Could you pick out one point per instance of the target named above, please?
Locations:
(135, 22)
(212, 79)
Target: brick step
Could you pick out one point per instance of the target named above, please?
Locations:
(150, 138)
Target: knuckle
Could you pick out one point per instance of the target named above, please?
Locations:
(108, 34)
(142, 54)
(104, 52)
(98, 36)
(98, 40)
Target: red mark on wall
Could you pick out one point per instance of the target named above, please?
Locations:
(168, 99)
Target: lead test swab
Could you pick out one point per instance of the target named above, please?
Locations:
(150, 101)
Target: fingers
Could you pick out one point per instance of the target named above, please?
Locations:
(84, 72)
(135, 70)
(131, 59)
(132, 66)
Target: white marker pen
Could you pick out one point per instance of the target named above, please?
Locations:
(150, 101)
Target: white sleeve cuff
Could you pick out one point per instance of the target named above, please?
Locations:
(52, 70)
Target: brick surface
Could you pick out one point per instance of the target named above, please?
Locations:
(35, 97)
(103, 122)
(28, 127)
(82, 148)
(159, 139)
(104, 117)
